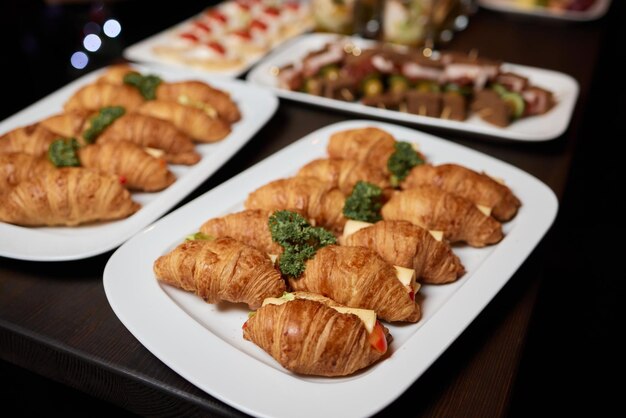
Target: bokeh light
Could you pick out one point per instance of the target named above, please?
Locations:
(92, 42)
(79, 60)
(112, 28)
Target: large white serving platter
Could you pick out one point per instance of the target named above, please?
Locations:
(537, 128)
(69, 243)
(596, 11)
(204, 344)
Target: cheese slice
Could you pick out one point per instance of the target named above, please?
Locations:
(438, 235)
(352, 226)
(484, 209)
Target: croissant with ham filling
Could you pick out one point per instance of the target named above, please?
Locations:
(312, 335)
(222, 269)
(477, 187)
(67, 196)
(357, 277)
(403, 244)
(437, 210)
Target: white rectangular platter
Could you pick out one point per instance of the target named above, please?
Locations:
(204, 343)
(69, 243)
(595, 11)
(536, 128)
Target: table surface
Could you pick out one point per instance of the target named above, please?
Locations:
(55, 320)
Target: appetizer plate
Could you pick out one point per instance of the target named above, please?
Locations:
(70, 243)
(595, 11)
(536, 128)
(204, 343)
(144, 50)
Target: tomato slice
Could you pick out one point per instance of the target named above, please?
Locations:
(377, 338)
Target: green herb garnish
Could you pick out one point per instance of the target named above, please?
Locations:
(402, 161)
(63, 152)
(300, 240)
(105, 117)
(146, 84)
(364, 203)
(199, 236)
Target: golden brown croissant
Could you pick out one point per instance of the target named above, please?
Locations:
(198, 93)
(249, 226)
(312, 338)
(370, 144)
(151, 132)
(18, 166)
(313, 198)
(67, 196)
(98, 95)
(223, 269)
(192, 92)
(359, 278)
(68, 124)
(403, 244)
(344, 174)
(193, 121)
(434, 209)
(136, 169)
(476, 187)
(32, 139)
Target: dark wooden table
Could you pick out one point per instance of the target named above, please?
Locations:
(55, 320)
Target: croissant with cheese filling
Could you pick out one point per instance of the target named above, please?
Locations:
(66, 196)
(403, 244)
(370, 144)
(311, 337)
(223, 269)
(477, 187)
(437, 210)
(357, 277)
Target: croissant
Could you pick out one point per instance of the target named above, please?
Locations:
(359, 278)
(344, 174)
(151, 132)
(98, 95)
(403, 244)
(249, 226)
(370, 144)
(32, 139)
(192, 91)
(137, 169)
(476, 187)
(193, 121)
(434, 209)
(200, 93)
(311, 338)
(223, 269)
(312, 197)
(67, 196)
(68, 124)
(17, 166)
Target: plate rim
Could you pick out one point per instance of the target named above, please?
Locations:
(595, 12)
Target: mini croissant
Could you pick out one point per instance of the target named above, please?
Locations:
(359, 278)
(311, 197)
(136, 168)
(437, 210)
(32, 139)
(476, 187)
(403, 244)
(16, 167)
(98, 95)
(249, 226)
(370, 144)
(67, 196)
(311, 338)
(193, 121)
(344, 173)
(223, 269)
